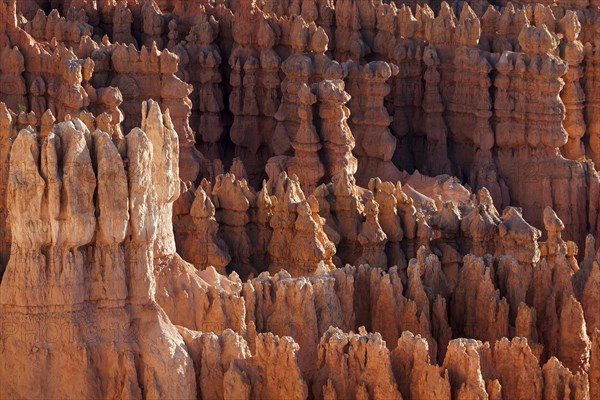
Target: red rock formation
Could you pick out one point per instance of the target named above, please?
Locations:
(338, 141)
(233, 198)
(465, 361)
(475, 291)
(517, 369)
(253, 62)
(573, 345)
(201, 244)
(349, 43)
(150, 73)
(572, 94)
(416, 377)
(121, 21)
(354, 366)
(369, 119)
(200, 59)
(305, 163)
(118, 223)
(594, 374)
(227, 369)
(66, 237)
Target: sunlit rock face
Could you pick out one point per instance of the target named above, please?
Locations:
(299, 199)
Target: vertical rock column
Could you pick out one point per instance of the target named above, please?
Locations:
(592, 104)
(408, 86)
(298, 68)
(165, 169)
(369, 121)
(122, 20)
(433, 109)
(349, 43)
(253, 98)
(572, 94)
(13, 89)
(8, 133)
(335, 133)
(203, 247)
(108, 275)
(354, 365)
(24, 197)
(347, 209)
(142, 200)
(233, 198)
(151, 74)
(202, 71)
(529, 131)
(594, 374)
(306, 163)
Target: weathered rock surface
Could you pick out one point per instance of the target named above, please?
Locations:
(299, 199)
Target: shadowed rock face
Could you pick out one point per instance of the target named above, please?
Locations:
(298, 199)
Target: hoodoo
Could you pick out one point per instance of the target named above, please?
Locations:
(299, 199)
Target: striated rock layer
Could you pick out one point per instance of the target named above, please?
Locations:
(299, 199)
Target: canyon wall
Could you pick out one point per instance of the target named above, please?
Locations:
(299, 199)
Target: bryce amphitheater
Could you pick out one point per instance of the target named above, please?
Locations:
(299, 199)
